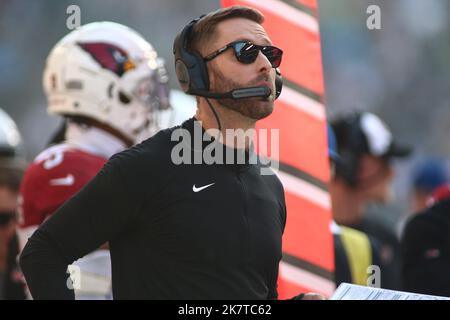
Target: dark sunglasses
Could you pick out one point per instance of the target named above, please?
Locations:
(247, 52)
(6, 218)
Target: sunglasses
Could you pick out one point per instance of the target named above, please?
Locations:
(6, 218)
(247, 52)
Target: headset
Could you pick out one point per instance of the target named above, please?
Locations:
(349, 129)
(192, 72)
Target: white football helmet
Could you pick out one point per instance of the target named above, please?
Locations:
(11, 145)
(107, 72)
(10, 139)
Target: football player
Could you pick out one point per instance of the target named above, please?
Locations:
(108, 84)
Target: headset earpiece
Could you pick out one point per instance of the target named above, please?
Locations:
(348, 168)
(351, 153)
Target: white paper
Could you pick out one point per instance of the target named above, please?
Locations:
(348, 291)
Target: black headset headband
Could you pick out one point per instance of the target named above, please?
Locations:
(189, 66)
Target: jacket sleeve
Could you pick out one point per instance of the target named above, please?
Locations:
(273, 285)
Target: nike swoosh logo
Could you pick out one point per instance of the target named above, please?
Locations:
(195, 189)
(67, 181)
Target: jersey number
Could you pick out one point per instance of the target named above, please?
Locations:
(54, 160)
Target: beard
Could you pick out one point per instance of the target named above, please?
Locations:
(254, 108)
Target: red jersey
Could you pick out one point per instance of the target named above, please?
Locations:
(55, 175)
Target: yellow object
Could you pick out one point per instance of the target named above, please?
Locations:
(359, 252)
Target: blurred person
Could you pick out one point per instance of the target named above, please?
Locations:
(428, 175)
(12, 165)
(364, 177)
(108, 85)
(203, 231)
(425, 247)
(354, 251)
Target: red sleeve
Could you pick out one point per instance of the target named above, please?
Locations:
(55, 176)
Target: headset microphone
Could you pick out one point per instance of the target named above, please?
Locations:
(243, 93)
(253, 92)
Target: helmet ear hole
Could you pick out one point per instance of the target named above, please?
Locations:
(124, 98)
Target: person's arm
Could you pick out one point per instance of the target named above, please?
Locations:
(103, 209)
(273, 285)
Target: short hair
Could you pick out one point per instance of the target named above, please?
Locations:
(204, 30)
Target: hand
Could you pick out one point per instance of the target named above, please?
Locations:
(313, 296)
(309, 296)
